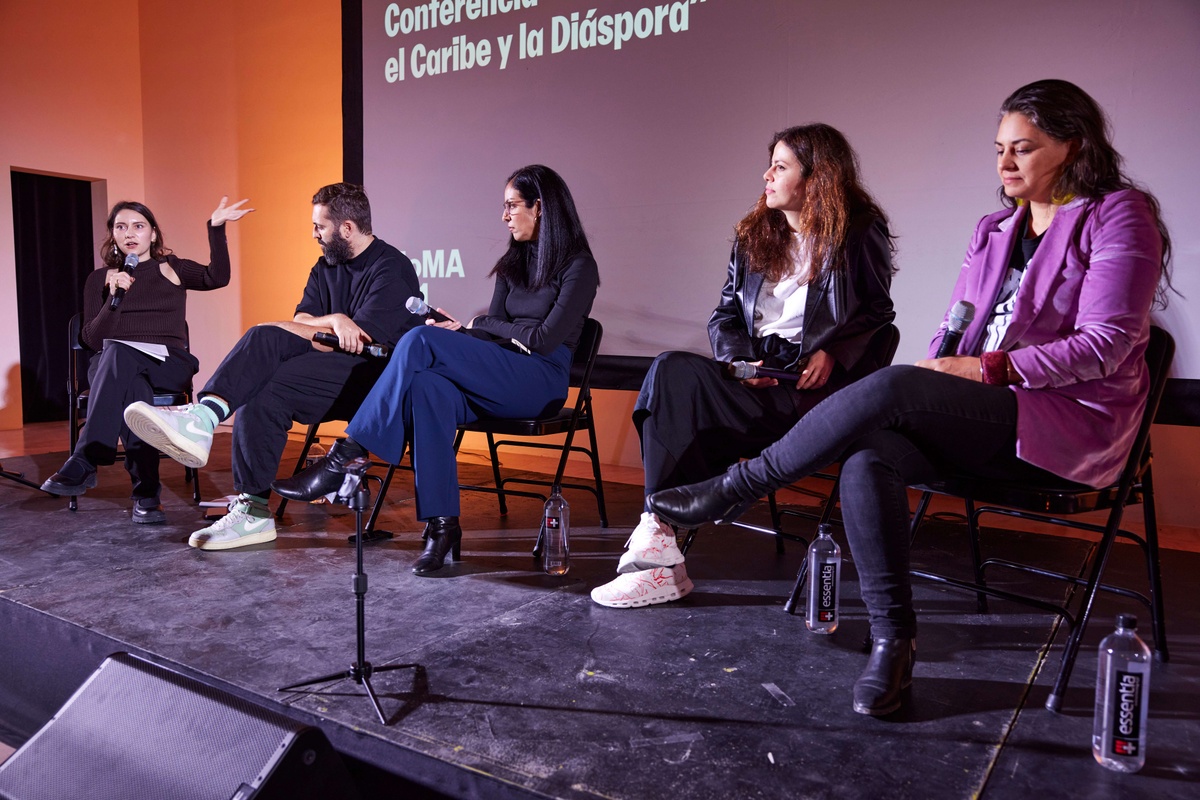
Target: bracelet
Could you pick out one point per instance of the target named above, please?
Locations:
(997, 370)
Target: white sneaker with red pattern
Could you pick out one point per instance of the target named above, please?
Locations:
(634, 589)
(652, 544)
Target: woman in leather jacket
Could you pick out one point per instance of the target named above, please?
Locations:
(806, 290)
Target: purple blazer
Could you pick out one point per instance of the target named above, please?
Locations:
(1079, 329)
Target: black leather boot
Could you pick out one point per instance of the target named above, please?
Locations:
(324, 476)
(442, 535)
(889, 672)
(713, 500)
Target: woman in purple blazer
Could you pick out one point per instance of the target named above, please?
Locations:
(1063, 279)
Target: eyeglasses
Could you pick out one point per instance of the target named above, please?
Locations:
(512, 206)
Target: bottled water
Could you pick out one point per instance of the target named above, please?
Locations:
(556, 530)
(1122, 698)
(824, 581)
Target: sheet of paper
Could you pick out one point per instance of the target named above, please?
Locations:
(158, 351)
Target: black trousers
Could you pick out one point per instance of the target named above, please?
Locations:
(900, 426)
(272, 377)
(694, 421)
(119, 375)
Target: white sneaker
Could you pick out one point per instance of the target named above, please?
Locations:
(644, 588)
(652, 544)
(238, 528)
(179, 431)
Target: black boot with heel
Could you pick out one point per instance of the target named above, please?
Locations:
(442, 535)
(324, 476)
(879, 689)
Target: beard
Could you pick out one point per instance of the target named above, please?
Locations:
(337, 250)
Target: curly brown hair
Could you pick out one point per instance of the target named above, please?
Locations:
(833, 196)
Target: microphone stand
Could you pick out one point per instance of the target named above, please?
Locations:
(357, 496)
(18, 477)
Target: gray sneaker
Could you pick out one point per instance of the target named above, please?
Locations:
(182, 432)
(247, 523)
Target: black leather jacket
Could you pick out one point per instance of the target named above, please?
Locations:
(843, 310)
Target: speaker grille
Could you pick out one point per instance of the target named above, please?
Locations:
(136, 730)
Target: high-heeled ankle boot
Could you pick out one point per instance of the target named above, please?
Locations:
(889, 672)
(442, 535)
(324, 476)
(713, 500)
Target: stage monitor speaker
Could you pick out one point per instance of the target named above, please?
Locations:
(138, 730)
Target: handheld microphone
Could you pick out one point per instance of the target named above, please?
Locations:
(420, 308)
(960, 317)
(742, 370)
(374, 349)
(131, 261)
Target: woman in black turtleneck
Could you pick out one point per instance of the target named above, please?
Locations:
(515, 361)
(150, 314)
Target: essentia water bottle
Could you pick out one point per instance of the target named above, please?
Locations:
(824, 580)
(1122, 698)
(556, 527)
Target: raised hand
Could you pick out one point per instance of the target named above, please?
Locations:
(231, 213)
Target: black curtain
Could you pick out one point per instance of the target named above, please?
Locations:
(52, 224)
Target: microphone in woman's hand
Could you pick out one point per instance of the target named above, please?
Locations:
(420, 308)
(744, 370)
(960, 317)
(131, 261)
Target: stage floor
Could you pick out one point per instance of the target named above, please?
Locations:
(517, 685)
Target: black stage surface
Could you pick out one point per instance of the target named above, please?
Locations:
(518, 686)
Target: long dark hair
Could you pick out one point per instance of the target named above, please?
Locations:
(560, 233)
(1068, 114)
(111, 254)
(833, 195)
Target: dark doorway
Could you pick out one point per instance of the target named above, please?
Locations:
(52, 225)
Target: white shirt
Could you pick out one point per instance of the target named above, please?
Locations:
(779, 308)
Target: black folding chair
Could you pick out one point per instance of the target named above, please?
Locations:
(77, 394)
(566, 422)
(1051, 504)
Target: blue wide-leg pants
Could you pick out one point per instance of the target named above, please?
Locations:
(438, 379)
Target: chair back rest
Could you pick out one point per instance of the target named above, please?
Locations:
(1160, 351)
(585, 354)
(880, 351)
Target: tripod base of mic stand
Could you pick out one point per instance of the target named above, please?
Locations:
(370, 537)
(18, 477)
(360, 674)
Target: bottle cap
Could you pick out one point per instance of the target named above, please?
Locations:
(1126, 622)
(825, 529)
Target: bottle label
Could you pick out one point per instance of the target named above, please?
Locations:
(552, 523)
(1127, 713)
(827, 593)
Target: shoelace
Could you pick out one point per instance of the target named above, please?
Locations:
(239, 511)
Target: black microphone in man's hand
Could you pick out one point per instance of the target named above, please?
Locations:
(960, 317)
(419, 307)
(373, 349)
(743, 370)
(131, 261)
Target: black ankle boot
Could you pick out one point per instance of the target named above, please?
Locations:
(442, 535)
(889, 672)
(324, 476)
(713, 500)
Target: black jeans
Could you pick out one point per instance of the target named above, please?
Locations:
(900, 426)
(272, 377)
